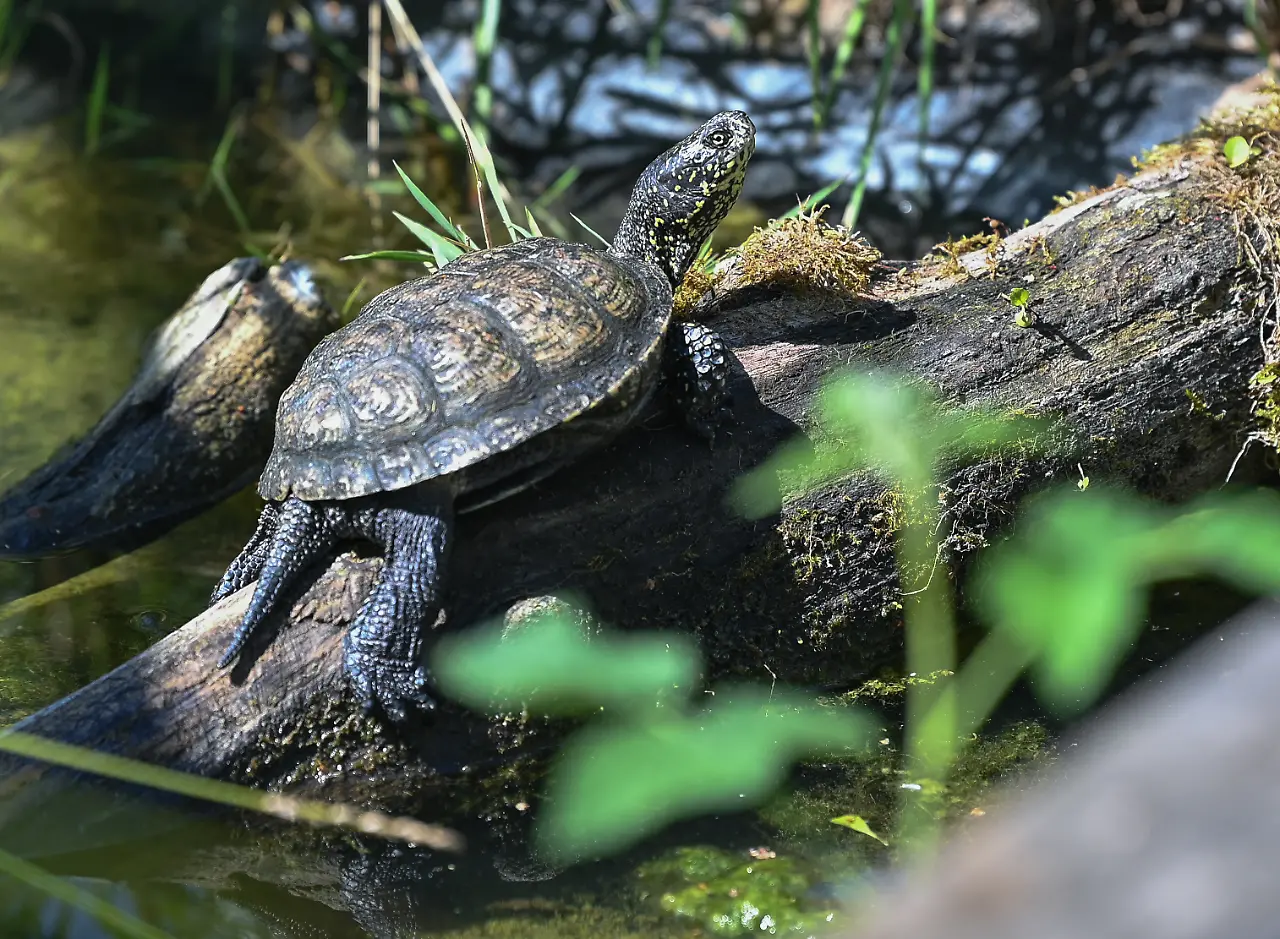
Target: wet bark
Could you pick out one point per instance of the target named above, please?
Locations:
(1137, 301)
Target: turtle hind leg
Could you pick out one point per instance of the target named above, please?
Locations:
(383, 650)
(302, 534)
(697, 367)
(245, 568)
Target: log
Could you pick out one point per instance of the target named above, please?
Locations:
(1146, 339)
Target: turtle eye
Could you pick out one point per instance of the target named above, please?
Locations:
(716, 138)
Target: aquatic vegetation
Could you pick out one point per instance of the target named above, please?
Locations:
(730, 895)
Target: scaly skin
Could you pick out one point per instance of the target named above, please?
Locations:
(677, 203)
(382, 651)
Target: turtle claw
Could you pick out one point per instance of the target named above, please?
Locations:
(386, 685)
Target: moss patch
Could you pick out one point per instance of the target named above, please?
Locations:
(727, 894)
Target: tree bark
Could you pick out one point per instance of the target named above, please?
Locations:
(1143, 350)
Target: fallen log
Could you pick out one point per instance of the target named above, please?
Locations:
(1148, 299)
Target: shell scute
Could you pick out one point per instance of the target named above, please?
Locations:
(441, 372)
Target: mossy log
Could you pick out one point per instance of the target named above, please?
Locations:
(1145, 343)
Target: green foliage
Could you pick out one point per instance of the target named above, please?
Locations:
(896, 430)
(550, 666)
(618, 780)
(614, 784)
(1069, 586)
(1238, 151)
(1019, 296)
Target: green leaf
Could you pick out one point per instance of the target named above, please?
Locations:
(885, 426)
(550, 666)
(1238, 152)
(454, 232)
(859, 824)
(1019, 296)
(1066, 588)
(1070, 585)
(442, 249)
(420, 257)
(613, 785)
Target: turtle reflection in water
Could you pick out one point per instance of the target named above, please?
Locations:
(461, 388)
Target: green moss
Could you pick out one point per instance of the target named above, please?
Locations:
(726, 894)
(807, 256)
(871, 786)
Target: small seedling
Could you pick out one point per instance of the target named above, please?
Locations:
(1020, 298)
(1238, 152)
(1083, 483)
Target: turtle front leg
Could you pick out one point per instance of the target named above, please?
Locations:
(245, 568)
(383, 650)
(697, 367)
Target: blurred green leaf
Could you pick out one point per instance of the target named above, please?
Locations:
(551, 667)
(1019, 296)
(1069, 585)
(614, 785)
(886, 426)
(813, 200)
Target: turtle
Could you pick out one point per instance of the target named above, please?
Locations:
(455, 390)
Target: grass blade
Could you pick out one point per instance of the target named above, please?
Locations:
(275, 804)
(898, 26)
(591, 231)
(814, 43)
(844, 52)
(351, 299)
(93, 905)
(97, 103)
(481, 158)
(812, 201)
(534, 230)
(485, 40)
(421, 257)
(654, 52)
(924, 77)
(452, 230)
(442, 249)
(558, 187)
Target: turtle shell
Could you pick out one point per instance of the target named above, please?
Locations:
(444, 371)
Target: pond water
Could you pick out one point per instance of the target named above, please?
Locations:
(93, 255)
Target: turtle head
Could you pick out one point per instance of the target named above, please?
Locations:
(685, 193)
